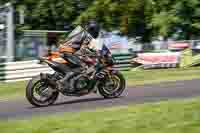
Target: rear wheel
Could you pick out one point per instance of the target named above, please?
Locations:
(113, 86)
(39, 93)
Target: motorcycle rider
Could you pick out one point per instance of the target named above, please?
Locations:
(79, 44)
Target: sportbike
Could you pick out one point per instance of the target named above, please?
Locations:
(83, 76)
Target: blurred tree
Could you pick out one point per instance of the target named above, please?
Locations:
(49, 14)
(172, 16)
(131, 17)
(145, 18)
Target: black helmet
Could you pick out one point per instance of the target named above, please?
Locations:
(93, 28)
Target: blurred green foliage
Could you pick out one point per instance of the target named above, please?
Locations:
(146, 18)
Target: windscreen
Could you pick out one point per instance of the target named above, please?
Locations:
(75, 32)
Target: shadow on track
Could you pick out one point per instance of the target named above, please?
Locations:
(77, 101)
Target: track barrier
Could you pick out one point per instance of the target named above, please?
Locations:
(25, 70)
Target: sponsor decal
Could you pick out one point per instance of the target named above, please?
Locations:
(158, 60)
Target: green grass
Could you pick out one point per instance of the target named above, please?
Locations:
(13, 90)
(161, 75)
(181, 116)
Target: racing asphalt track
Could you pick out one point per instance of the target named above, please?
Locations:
(21, 109)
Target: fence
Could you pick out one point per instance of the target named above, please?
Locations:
(24, 70)
(18, 71)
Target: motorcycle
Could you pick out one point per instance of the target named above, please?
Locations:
(44, 89)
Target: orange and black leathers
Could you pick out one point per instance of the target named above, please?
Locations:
(70, 48)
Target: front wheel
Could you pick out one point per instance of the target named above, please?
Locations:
(112, 86)
(39, 93)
